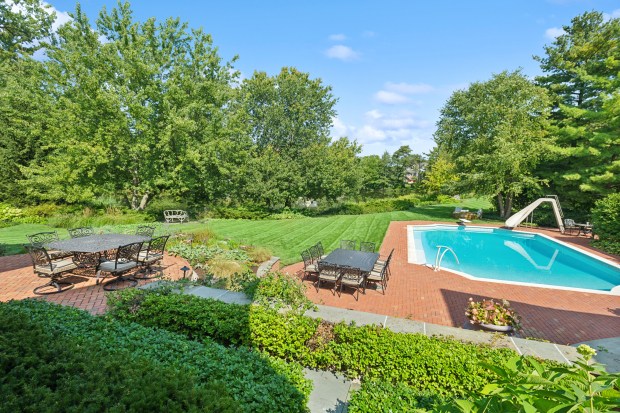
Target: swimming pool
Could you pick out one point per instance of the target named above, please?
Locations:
(494, 254)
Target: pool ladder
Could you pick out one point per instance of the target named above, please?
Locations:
(441, 251)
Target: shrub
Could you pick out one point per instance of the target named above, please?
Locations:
(443, 366)
(278, 290)
(44, 371)
(606, 220)
(258, 254)
(525, 385)
(258, 383)
(379, 396)
(155, 209)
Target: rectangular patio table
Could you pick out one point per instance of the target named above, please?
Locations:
(365, 261)
(88, 248)
(95, 243)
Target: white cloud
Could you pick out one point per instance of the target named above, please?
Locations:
(409, 88)
(338, 37)
(390, 98)
(342, 52)
(553, 32)
(339, 128)
(369, 134)
(369, 33)
(62, 17)
(613, 15)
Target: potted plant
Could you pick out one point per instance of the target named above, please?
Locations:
(493, 315)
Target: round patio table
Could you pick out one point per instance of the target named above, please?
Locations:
(96, 243)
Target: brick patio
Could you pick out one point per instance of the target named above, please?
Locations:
(17, 282)
(419, 293)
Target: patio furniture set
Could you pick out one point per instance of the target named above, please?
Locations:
(113, 254)
(582, 229)
(347, 267)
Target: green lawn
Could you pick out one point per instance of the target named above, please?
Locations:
(285, 238)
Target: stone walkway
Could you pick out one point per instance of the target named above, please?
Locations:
(418, 293)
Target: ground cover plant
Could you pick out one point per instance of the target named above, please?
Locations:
(442, 366)
(44, 371)
(255, 382)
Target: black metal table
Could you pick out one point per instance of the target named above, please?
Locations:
(365, 261)
(88, 250)
(95, 243)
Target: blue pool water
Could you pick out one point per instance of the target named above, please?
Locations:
(493, 253)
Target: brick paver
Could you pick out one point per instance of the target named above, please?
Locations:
(419, 293)
(17, 281)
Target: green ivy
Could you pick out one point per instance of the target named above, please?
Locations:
(444, 366)
(257, 382)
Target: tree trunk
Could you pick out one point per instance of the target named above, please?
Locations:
(508, 207)
(144, 201)
(500, 205)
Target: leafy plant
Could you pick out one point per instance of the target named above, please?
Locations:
(489, 311)
(379, 396)
(258, 383)
(279, 290)
(259, 254)
(524, 385)
(443, 366)
(606, 218)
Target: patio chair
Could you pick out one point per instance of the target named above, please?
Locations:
(346, 244)
(309, 266)
(153, 254)
(46, 267)
(145, 231)
(125, 261)
(379, 277)
(81, 232)
(315, 253)
(570, 226)
(41, 238)
(384, 263)
(367, 246)
(352, 278)
(319, 247)
(328, 273)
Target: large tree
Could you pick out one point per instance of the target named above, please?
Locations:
(24, 108)
(581, 71)
(495, 132)
(140, 110)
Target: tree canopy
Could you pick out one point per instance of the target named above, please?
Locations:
(495, 133)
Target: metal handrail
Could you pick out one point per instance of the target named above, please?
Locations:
(438, 258)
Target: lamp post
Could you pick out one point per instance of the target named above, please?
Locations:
(185, 269)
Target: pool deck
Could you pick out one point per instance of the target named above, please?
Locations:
(418, 293)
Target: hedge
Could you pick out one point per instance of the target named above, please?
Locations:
(379, 396)
(444, 366)
(256, 382)
(606, 219)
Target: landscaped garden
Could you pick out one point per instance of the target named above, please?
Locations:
(109, 124)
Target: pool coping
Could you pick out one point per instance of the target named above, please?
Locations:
(413, 258)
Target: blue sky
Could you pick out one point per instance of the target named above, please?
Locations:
(392, 64)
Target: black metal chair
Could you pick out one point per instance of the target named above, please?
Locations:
(384, 263)
(352, 278)
(145, 230)
(367, 246)
(378, 277)
(315, 253)
(328, 273)
(46, 267)
(570, 226)
(309, 266)
(41, 238)
(125, 261)
(153, 254)
(319, 247)
(346, 244)
(81, 232)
